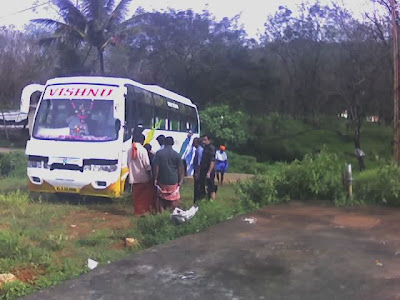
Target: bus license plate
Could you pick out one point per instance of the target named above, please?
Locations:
(66, 189)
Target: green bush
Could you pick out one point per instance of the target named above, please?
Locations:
(315, 177)
(258, 191)
(13, 164)
(245, 164)
(382, 187)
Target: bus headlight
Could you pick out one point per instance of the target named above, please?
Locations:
(104, 168)
(35, 164)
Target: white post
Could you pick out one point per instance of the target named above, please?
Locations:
(350, 180)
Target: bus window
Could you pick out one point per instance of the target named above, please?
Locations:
(161, 115)
(159, 101)
(145, 115)
(184, 123)
(129, 112)
(173, 120)
(193, 120)
(147, 98)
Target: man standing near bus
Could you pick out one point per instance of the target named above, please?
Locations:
(207, 172)
(168, 176)
(140, 177)
(161, 141)
(199, 191)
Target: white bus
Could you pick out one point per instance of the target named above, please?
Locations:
(82, 131)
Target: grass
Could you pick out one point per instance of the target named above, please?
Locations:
(50, 239)
(296, 138)
(10, 184)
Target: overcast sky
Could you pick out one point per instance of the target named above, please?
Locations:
(253, 12)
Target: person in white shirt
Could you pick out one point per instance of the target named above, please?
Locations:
(140, 177)
(221, 163)
(360, 156)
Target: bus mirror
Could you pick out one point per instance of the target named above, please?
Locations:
(117, 125)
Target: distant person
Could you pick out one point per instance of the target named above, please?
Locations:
(207, 164)
(199, 191)
(149, 152)
(168, 176)
(186, 153)
(161, 141)
(221, 164)
(185, 144)
(143, 194)
(360, 156)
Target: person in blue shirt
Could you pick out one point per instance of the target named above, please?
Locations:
(199, 191)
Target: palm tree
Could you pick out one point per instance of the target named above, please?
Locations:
(98, 23)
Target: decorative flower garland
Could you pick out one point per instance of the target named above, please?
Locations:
(82, 114)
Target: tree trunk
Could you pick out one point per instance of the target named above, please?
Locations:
(101, 60)
(87, 55)
(357, 133)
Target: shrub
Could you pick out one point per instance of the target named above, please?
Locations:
(13, 164)
(382, 188)
(316, 177)
(245, 164)
(257, 192)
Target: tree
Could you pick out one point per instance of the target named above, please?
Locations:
(194, 55)
(225, 126)
(98, 24)
(21, 63)
(298, 43)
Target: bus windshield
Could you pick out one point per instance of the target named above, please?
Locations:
(75, 120)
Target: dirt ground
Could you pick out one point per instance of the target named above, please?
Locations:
(291, 251)
(5, 150)
(230, 177)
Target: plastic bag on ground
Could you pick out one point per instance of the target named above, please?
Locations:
(91, 264)
(181, 216)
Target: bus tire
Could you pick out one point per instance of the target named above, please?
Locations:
(127, 186)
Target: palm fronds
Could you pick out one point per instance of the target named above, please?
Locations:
(119, 13)
(71, 14)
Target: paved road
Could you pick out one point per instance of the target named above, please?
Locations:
(293, 251)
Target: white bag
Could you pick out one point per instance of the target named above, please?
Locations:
(181, 216)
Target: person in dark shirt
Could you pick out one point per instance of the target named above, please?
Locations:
(161, 141)
(149, 152)
(168, 175)
(207, 173)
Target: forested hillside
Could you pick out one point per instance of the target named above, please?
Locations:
(308, 65)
